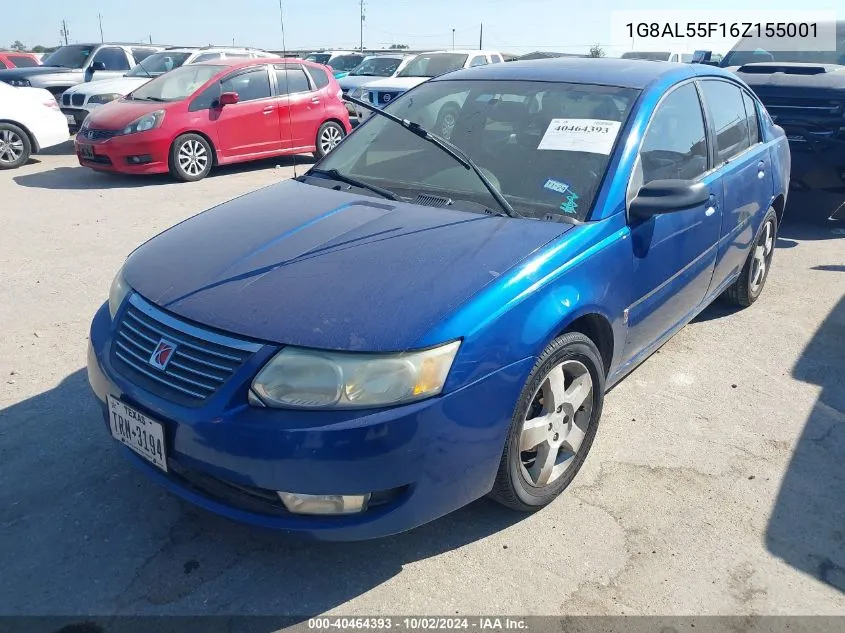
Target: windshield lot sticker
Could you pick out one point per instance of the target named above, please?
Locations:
(594, 136)
(570, 205)
(556, 186)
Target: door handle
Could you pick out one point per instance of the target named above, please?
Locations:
(761, 169)
(315, 99)
(711, 206)
(269, 109)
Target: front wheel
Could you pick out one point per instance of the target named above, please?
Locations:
(553, 425)
(15, 147)
(749, 286)
(328, 136)
(190, 158)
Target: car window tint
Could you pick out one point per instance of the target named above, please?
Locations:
(291, 80)
(321, 79)
(113, 58)
(729, 120)
(674, 147)
(21, 61)
(478, 60)
(140, 54)
(251, 85)
(751, 114)
(496, 59)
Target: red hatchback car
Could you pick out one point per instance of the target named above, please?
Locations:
(216, 113)
(14, 59)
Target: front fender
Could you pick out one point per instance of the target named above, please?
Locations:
(585, 271)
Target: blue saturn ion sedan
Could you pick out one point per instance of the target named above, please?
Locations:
(417, 322)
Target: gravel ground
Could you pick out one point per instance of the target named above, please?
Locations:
(715, 486)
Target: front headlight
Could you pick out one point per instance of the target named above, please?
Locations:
(313, 379)
(147, 122)
(117, 293)
(106, 98)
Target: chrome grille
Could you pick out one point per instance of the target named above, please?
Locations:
(201, 363)
(78, 99)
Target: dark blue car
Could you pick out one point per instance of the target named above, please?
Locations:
(418, 322)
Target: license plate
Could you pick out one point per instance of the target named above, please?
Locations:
(143, 435)
(71, 119)
(87, 151)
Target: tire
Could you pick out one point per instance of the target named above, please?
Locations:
(191, 158)
(446, 121)
(328, 136)
(521, 483)
(748, 287)
(15, 146)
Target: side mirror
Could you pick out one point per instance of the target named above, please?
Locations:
(228, 98)
(95, 66)
(668, 196)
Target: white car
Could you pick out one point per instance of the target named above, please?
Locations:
(421, 68)
(660, 56)
(30, 120)
(77, 102)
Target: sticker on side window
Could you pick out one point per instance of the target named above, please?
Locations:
(595, 136)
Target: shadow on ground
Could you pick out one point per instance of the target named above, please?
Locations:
(807, 524)
(85, 533)
(80, 178)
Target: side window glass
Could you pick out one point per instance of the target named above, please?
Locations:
(321, 79)
(113, 58)
(729, 119)
(291, 80)
(251, 85)
(496, 59)
(140, 54)
(478, 60)
(674, 146)
(751, 115)
(207, 57)
(207, 99)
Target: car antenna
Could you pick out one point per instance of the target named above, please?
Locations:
(287, 79)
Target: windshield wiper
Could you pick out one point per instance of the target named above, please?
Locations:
(159, 99)
(444, 145)
(334, 174)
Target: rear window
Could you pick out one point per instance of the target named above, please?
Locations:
(21, 61)
(320, 77)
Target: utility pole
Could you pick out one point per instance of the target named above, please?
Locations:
(453, 39)
(100, 18)
(481, 36)
(64, 32)
(362, 25)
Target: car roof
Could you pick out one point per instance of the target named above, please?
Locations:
(625, 73)
(238, 62)
(462, 51)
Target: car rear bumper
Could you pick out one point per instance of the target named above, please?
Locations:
(143, 153)
(426, 459)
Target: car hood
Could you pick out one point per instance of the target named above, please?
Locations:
(396, 83)
(794, 79)
(305, 265)
(121, 85)
(118, 114)
(356, 81)
(32, 71)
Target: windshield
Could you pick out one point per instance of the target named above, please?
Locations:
(755, 50)
(320, 58)
(377, 67)
(176, 85)
(343, 63)
(434, 64)
(158, 64)
(73, 56)
(544, 146)
(653, 56)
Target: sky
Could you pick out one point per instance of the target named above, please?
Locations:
(514, 26)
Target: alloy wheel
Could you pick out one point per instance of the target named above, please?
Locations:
(11, 146)
(762, 257)
(329, 139)
(556, 423)
(192, 157)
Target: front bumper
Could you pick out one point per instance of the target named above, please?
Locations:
(114, 154)
(437, 455)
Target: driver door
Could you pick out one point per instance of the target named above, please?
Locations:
(115, 61)
(674, 254)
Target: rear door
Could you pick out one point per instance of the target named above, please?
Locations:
(250, 126)
(745, 167)
(300, 104)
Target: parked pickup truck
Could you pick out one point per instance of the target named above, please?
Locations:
(76, 63)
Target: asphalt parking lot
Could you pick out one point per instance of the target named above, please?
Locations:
(716, 484)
